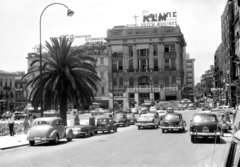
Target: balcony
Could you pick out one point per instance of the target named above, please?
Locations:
(143, 88)
(118, 88)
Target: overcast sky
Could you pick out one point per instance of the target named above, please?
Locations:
(199, 20)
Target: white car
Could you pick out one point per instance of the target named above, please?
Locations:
(134, 110)
(153, 109)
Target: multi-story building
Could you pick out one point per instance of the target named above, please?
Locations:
(190, 81)
(20, 91)
(207, 82)
(7, 91)
(146, 64)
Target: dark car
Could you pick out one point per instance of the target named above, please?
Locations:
(105, 124)
(19, 115)
(173, 121)
(192, 106)
(120, 118)
(131, 117)
(83, 129)
(204, 125)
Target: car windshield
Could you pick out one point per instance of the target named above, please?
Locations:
(171, 116)
(41, 123)
(204, 118)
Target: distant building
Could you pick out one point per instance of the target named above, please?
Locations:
(146, 64)
(190, 81)
(7, 91)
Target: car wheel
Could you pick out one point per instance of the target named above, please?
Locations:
(70, 137)
(218, 139)
(192, 138)
(109, 130)
(86, 133)
(56, 139)
(95, 132)
(115, 129)
(183, 129)
(163, 131)
(31, 143)
(139, 127)
(92, 133)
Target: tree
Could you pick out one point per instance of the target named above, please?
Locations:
(67, 77)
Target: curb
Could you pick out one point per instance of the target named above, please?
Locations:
(5, 148)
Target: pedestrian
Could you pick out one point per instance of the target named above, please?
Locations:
(30, 121)
(11, 125)
(25, 125)
(76, 120)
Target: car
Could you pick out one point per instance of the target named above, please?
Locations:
(183, 105)
(7, 115)
(131, 117)
(206, 108)
(204, 125)
(192, 106)
(161, 114)
(225, 109)
(148, 120)
(134, 110)
(120, 119)
(153, 108)
(105, 124)
(97, 111)
(177, 108)
(83, 129)
(50, 129)
(19, 115)
(143, 110)
(170, 109)
(173, 121)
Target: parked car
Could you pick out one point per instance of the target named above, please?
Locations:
(177, 108)
(48, 129)
(83, 129)
(170, 109)
(7, 115)
(148, 120)
(204, 125)
(105, 124)
(143, 110)
(120, 118)
(206, 108)
(153, 108)
(19, 115)
(131, 118)
(173, 121)
(134, 110)
(192, 106)
(225, 109)
(97, 111)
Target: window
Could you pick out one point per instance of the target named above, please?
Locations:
(117, 50)
(166, 80)
(120, 81)
(155, 49)
(173, 64)
(131, 82)
(120, 65)
(131, 95)
(114, 81)
(167, 63)
(10, 81)
(166, 48)
(130, 48)
(173, 79)
(155, 64)
(1, 82)
(101, 60)
(130, 65)
(102, 90)
(102, 75)
(6, 83)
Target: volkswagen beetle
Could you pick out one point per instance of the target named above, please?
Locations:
(48, 129)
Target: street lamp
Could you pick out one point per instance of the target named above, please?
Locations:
(69, 13)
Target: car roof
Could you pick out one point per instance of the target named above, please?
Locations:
(174, 113)
(148, 114)
(204, 113)
(47, 119)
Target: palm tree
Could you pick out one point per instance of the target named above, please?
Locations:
(67, 77)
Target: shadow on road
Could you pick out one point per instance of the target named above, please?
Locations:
(148, 128)
(208, 141)
(61, 142)
(176, 131)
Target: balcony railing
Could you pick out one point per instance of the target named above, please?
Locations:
(148, 88)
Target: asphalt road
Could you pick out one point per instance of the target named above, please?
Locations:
(129, 147)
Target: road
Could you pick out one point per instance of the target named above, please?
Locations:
(128, 147)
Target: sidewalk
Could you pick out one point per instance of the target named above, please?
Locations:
(7, 142)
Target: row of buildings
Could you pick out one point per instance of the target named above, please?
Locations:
(140, 64)
(221, 81)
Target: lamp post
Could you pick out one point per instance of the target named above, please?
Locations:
(69, 13)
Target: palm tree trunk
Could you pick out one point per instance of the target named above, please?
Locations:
(63, 110)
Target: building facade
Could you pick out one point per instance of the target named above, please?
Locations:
(190, 81)
(145, 64)
(7, 91)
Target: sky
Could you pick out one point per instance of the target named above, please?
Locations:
(199, 20)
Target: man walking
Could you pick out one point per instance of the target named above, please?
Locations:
(11, 125)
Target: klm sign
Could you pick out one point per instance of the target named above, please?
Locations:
(157, 17)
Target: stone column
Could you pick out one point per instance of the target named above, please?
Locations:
(136, 98)
(177, 48)
(162, 94)
(125, 58)
(160, 53)
(151, 96)
(135, 59)
(151, 57)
